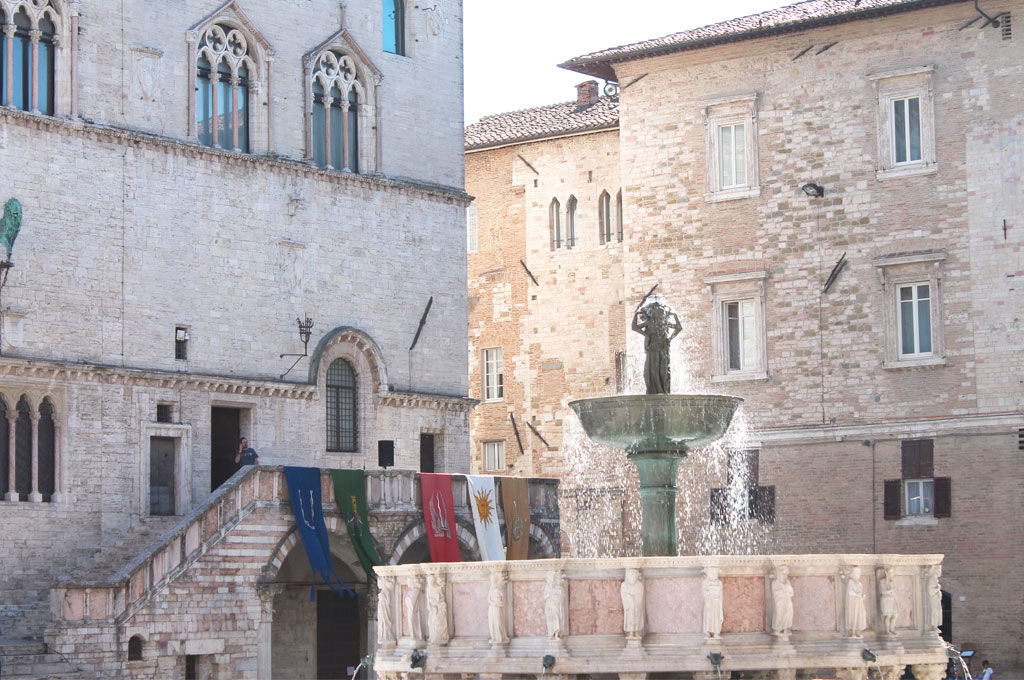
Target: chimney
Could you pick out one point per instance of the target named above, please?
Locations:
(586, 93)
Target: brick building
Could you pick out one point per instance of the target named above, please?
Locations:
(193, 178)
(829, 195)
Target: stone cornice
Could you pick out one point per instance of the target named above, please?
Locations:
(34, 370)
(187, 149)
(985, 423)
(440, 402)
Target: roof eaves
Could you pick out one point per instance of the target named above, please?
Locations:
(476, 146)
(601, 66)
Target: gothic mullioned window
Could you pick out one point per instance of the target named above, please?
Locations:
(28, 55)
(337, 94)
(223, 67)
(30, 461)
(341, 105)
(341, 406)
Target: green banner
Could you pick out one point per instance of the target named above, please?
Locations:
(350, 491)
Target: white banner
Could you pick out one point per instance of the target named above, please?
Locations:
(483, 498)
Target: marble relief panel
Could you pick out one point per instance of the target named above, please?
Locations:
(595, 607)
(744, 604)
(469, 600)
(814, 603)
(527, 605)
(673, 605)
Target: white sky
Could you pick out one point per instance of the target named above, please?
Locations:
(512, 48)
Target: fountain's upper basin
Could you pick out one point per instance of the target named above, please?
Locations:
(649, 423)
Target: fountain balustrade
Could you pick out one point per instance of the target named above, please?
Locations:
(644, 615)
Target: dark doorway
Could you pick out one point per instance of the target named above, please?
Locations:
(426, 452)
(946, 627)
(161, 475)
(337, 635)
(225, 429)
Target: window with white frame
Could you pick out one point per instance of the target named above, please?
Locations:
(920, 495)
(604, 217)
(906, 130)
(732, 164)
(731, 124)
(906, 121)
(912, 322)
(494, 374)
(472, 233)
(915, 320)
(555, 223)
(738, 327)
(740, 335)
(494, 456)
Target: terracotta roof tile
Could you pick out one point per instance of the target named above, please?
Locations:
(800, 16)
(542, 121)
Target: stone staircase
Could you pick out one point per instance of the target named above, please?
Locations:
(30, 659)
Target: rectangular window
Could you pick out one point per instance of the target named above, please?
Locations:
(732, 164)
(920, 496)
(494, 456)
(906, 133)
(740, 335)
(494, 378)
(915, 320)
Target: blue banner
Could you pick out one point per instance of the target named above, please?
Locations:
(308, 507)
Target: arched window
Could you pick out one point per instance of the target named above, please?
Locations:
(335, 112)
(5, 460)
(618, 214)
(341, 406)
(604, 217)
(223, 67)
(555, 220)
(23, 450)
(47, 451)
(27, 58)
(570, 223)
(394, 26)
(135, 648)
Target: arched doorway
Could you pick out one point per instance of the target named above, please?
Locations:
(324, 639)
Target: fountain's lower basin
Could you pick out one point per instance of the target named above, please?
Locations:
(651, 423)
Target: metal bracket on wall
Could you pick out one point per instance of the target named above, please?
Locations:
(423, 320)
(529, 273)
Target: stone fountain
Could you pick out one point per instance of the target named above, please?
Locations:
(662, 615)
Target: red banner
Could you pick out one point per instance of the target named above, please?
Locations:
(439, 515)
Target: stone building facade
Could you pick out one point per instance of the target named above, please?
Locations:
(195, 179)
(871, 320)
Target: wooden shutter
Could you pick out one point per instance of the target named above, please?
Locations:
(718, 506)
(917, 458)
(891, 496)
(762, 503)
(943, 497)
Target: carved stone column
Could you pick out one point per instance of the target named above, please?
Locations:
(264, 629)
(35, 496)
(387, 616)
(34, 35)
(437, 611)
(8, 93)
(497, 613)
(711, 588)
(12, 422)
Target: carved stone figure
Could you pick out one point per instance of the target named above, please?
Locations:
(413, 607)
(934, 592)
(782, 602)
(554, 605)
(437, 611)
(712, 591)
(11, 225)
(385, 610)
(633, 612)
(887, 600)
(856, 614)
(497, 624)
(659, 326)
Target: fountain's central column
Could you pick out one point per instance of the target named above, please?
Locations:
(658, 500)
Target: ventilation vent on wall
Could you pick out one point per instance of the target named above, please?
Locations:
(1004, 21)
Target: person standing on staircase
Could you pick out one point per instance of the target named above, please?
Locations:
(246, 455)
